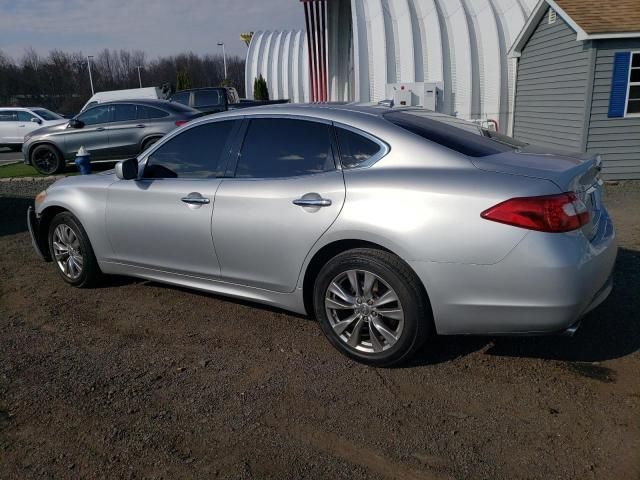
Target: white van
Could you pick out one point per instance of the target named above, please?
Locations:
(130, 94)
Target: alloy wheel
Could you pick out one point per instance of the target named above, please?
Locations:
(67, 251)
(364, 311)
(45, 161)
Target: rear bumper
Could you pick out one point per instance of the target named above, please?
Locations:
(34, 231)
(545, 285)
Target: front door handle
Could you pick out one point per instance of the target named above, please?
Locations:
(312, 202)
(195, 200)
(100, 129)
(140, 125)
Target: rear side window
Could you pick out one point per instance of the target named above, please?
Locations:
(207, 97)
(355, 149)
(278, 147)
(468, 141)
(8, 116)
(198, 152)
(124, 112)
(147, 113)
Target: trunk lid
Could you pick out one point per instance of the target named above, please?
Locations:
(571, 172)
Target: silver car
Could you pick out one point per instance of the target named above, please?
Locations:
(109, 131)
(389, 226)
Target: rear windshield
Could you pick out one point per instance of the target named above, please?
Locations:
(454, 133)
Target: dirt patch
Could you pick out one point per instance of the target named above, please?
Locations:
(139, 380)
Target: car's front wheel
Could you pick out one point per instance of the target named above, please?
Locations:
(372, 307)
(47, 160)
(71, 251)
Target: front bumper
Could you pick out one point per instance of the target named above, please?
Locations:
(36, 237)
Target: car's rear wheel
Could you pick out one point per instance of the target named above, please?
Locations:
(71, 251)
(47, 160)
(372, 307)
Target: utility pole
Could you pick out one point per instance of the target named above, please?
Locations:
(89, 57)
(139, 77)
(224, 58)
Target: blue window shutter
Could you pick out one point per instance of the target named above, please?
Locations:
(619, 80)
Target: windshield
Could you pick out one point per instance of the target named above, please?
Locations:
(46, 114)
(454, 133)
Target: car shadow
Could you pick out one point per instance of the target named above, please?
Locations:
(610, 331)
(13, 214)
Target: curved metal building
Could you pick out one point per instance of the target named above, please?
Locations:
(448, 55)
(282, 59)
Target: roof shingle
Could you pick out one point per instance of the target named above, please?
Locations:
(604, 16)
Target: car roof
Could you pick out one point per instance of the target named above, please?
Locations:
(22, 108)
(202, 88)
(140, 101)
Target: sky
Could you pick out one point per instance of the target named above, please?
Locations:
(158, 27)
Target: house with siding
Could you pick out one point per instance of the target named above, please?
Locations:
(578, 80)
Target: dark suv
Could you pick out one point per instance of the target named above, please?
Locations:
(216, 99)
(109, 131)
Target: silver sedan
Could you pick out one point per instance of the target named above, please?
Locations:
(388, 225)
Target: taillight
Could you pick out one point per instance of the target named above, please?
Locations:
(181, 122)
(549, 213)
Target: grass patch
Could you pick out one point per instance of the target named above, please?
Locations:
(16, 170)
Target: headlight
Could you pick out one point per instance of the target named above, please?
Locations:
(40, 198)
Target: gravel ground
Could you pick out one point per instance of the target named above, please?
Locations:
(140, 380)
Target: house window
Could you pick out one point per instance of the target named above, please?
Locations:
(633, 96)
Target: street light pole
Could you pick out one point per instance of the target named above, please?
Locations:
(224, 58)
(139, 77)
(89, 57)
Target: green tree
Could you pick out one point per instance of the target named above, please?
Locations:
(260, 90)
(183, 81)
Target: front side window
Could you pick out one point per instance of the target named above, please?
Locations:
(124, 112)
(8, 116)
(25, 116)
(96, 115)
(633, 99)
(355, 149)
(47, 114)
(277, 147)
(199, 152)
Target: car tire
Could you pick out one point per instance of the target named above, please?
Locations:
(147, 143)
(47, 160)
(71, 251)
(16, 148)
(388, 331)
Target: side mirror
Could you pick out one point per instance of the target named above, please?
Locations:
(127, 169)
(36, 120)
(74, 123)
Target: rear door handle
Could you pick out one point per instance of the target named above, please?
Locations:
(99, 129)
(195, 200)
(312, 202)
(140, 125)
